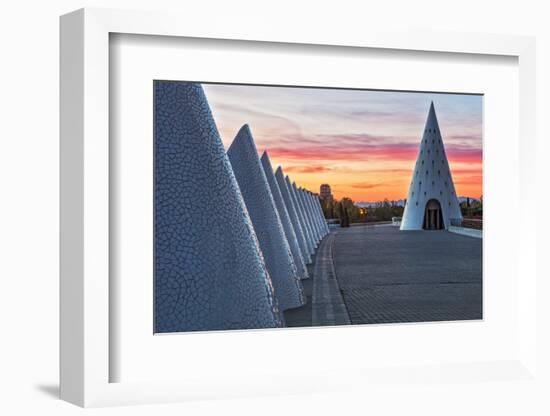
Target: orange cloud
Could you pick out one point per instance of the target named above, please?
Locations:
(365, 185)
(306, 169)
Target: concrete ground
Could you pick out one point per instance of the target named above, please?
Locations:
(385, 275)
(302, 316)
(471, 232)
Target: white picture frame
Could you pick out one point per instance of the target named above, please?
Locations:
(85, 221)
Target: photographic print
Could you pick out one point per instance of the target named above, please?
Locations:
(287, 206)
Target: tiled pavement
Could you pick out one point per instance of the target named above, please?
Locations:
(467, 231)
(328, 306)
(413, 303)
(300, 317)
(386, 275)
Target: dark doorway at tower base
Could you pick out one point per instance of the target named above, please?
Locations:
(433, 216)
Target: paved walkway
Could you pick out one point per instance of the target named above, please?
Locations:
(386, 275)
(365, 275)
(328, 306)
(470, 232)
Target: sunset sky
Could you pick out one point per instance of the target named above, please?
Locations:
(363, 143)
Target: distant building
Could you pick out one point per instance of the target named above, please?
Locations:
(326, 193)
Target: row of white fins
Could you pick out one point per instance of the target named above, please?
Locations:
(288, 220)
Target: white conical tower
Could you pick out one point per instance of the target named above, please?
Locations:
(301, 214)
(290, 234)
(209, 270)
(259, 202)
(293, 212)
(432, 202)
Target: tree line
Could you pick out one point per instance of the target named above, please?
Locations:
(472, 208)
(347, 212)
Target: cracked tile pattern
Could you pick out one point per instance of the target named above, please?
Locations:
(317, 216)
(254, 187)
(293, 213)
(300, 215)
(317, 206)
(311, 215)
(285, 218)
(209, 270)
(303, 215)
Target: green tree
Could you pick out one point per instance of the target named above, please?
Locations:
(385, 211)
(328, 207)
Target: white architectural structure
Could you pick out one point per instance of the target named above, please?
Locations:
(266, 221)
(290, 234)
(432, 203)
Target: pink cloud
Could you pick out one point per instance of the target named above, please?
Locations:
(365, 185)
(307, 169)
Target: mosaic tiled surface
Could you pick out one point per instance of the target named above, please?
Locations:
(322, 215)
(254, 187)
(431, 180)
(284, 217)
(414, 303)
(293, 214)
(299, 214)
(410, 276)
(209, 271)
(307, 214)
(312, 214)
(310, 218)
(303, 215)
(317, 205)
(323, 229)
(316, 216)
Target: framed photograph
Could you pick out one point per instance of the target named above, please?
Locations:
(344, 247)
(230, 202)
